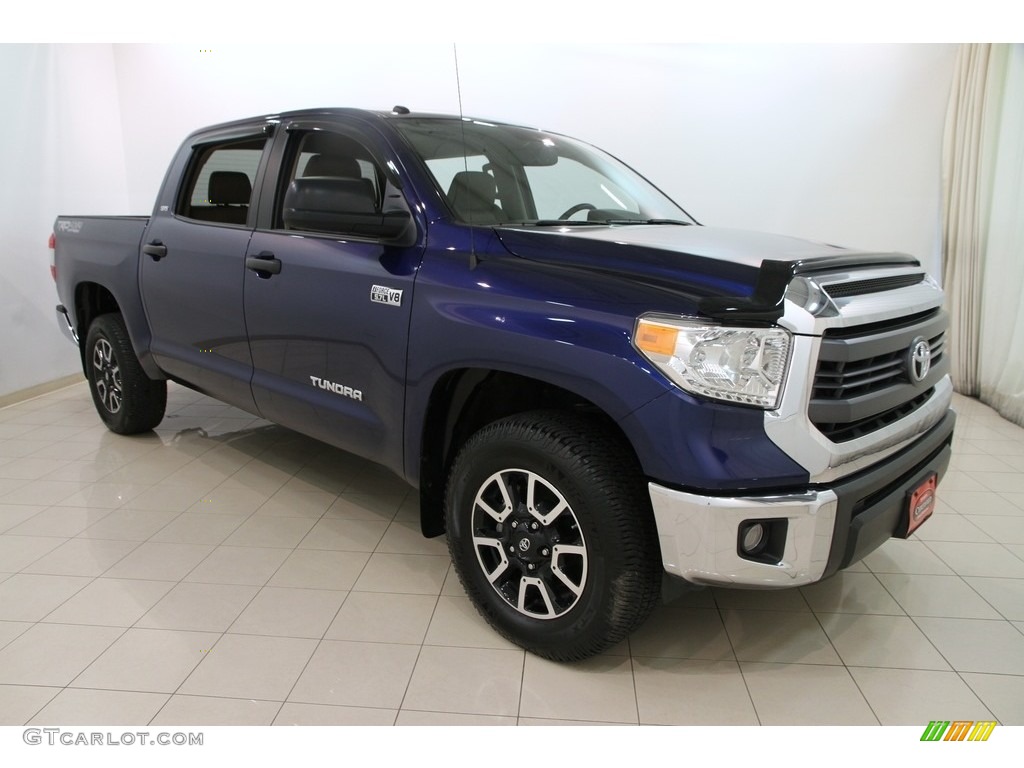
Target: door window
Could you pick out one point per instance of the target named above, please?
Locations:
(220, 182)
(332, 186)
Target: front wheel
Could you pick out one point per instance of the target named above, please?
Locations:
(126, 399)
(551, 532)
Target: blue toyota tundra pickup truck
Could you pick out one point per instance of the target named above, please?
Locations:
(588, 389)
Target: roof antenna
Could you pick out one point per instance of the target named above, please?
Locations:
(473, 261)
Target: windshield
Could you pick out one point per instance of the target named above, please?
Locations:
(501, 174)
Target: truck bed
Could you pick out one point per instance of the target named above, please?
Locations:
(100, 254)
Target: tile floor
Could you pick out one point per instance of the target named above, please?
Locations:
(226, 571)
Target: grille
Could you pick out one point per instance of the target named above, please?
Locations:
(838, 380)
(842, 432)
(860, 287)
(863, 381)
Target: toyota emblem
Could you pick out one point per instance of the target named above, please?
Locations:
(920, 359)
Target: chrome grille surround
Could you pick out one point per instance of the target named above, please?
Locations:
(791, 425)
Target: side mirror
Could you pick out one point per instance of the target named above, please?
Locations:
(396, 228)
(344, 207)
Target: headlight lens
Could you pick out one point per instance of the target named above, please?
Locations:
(739, 365)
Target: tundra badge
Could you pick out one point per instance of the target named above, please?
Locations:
(338, 389)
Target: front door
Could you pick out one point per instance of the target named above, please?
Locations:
(328, 316)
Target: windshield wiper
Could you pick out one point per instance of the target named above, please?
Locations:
(647, 221)
(589, 222)
(552, 223)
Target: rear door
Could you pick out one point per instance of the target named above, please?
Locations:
(328, 322)
(193, 264)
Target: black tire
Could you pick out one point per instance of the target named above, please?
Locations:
(578, 572)
(127, 400)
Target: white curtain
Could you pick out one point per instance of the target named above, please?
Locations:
(983, 229)
(964, 211)
(1001, 355)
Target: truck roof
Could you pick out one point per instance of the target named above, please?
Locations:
(397, 112)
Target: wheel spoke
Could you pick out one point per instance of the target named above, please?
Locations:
(506, 495)
(496, 545)
(548, 518)
(498, 516)
(498, 481)
(545, 518)
(561, 550)
(527, 583)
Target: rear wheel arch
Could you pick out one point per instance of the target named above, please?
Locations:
(126, 399)
(91, 301)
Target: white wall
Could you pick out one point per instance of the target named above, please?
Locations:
(169, 91)
(60, 152)
(834, 143)
(840, 144)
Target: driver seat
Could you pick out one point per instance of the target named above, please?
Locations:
(472, 195)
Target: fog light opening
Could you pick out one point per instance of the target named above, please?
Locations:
(753, 538)
(763, 541)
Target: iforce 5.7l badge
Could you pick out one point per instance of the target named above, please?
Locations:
(381, 294)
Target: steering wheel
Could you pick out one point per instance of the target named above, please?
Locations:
(577, 208)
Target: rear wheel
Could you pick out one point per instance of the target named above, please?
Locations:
(126, 399)
(551, 532)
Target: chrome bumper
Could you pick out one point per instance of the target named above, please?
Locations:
(812, 534)
(64, 323)
(699, 542)
(868, 476)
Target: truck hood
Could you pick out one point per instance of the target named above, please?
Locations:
(662, 241)
(721, 266)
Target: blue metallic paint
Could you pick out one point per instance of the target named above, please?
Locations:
(510, 315)
(338, 335)
(193, 300)
(548, 305)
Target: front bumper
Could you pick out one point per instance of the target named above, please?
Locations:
(817, 531)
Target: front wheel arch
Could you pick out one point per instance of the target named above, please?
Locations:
(464, 401)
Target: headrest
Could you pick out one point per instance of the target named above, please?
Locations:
(472, 195)
(332, 165)
(312, 203)
(229, 188)
(477, 186)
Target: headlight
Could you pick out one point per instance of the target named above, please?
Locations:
(740, 365)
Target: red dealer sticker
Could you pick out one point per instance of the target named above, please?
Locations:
(920, 504)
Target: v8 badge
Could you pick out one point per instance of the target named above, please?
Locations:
(381, 294)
